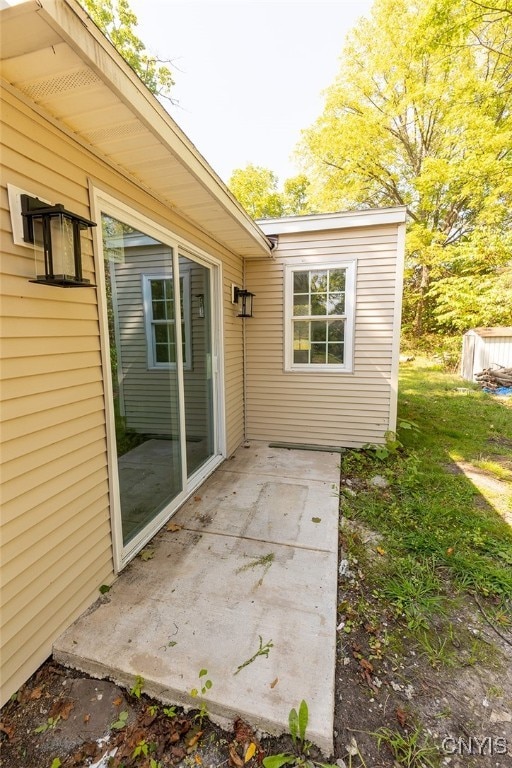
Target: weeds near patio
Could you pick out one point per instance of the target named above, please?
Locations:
(411, 750)
(263, 650)
(265, 561)
(297, 724)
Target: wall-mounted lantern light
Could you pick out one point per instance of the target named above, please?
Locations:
(56, 235)
(246, 298)
(200, 302)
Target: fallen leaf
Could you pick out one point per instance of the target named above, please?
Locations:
(117, 702)
(87, 718)
(7, 729)
(274, 682)
(401, 716)
(198, 759)
(147, 554)
(194, 739)
(250, 752)
(36, 693)
(381, 551)
(366, 665)
(197, 498)
(235, 759)
(173, 527)
(61, 708)
(449, 551)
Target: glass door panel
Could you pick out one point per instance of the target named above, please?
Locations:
(197, 362)
(143, 317)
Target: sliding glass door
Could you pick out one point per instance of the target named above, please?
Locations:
(159, 307)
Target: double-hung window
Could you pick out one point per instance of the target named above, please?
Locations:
(160, 318)
(319, 309)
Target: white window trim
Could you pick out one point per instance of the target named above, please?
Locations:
(298, 265)
(153, 365)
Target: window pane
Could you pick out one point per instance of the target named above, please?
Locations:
(318, 281)
(169, 308)
(336, 304)
(319, 304)
(335, 356)
(301, 282)
(158, 310)
(157, 290)
(301, 305)
(301, 336)
(161, 334)
(336, 280)
(162, 353)
(336, 330)
(300, 356)
(318, 353)
(318, 331)
(168, 286)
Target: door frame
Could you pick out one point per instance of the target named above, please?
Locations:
(104, 202)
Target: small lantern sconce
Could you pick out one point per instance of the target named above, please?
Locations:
(200, 301)
(56, 235)
(247, 301)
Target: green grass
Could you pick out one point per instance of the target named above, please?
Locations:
(441, 536)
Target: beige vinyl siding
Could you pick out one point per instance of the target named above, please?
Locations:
(56, 534)
(324, 408)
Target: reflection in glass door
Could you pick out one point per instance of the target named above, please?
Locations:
(197, 362)
(142, 314)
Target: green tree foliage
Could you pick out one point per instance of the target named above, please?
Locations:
(256, 188)
(117, 22)
(420, 115)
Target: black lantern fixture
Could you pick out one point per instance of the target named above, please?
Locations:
(247, 301)
(56, 236)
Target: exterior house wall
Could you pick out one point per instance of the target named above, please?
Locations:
(56, 533)
(326, 408)
(485, 348)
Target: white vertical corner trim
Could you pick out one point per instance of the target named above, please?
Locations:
(397, 322)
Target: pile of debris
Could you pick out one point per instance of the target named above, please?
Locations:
(492, 379)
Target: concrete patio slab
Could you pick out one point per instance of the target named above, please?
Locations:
(248, 563)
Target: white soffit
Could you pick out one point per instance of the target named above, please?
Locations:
(332, 221)
(54, 55)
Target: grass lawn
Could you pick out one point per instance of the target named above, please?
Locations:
(426, 531)
(436, 523)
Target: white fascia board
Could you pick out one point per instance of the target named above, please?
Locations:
(73, 25)
(329, 221)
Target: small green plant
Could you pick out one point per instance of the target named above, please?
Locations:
(170, 712)
(143, 749)
(56, 763)
(437, 651)
(263, 650)
(153, 710)
(121, 721)
(412, 750)
(205, 684)
(50, 723)
(297, 724)
(201, 714)
(137, 687)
